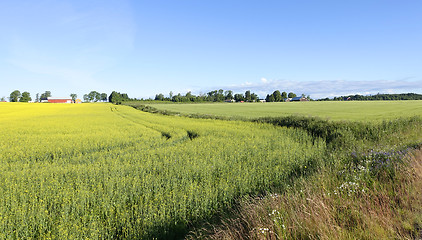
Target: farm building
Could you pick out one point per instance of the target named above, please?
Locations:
(59, 100)
(297, 99)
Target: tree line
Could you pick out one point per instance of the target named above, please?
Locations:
(93, 96)
(224, 95)
(377, 97)
(212, 96)
(278, 96)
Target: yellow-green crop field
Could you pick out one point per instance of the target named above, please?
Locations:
(335, 110)
(101, 171)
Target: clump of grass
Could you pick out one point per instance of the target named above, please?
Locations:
(192, 134)
(167, 135)
(379, 197)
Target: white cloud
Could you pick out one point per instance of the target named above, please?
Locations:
(330, 88)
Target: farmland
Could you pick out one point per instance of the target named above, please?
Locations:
(103, 171)
(353, 110)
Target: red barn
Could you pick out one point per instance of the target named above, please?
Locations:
(59, 100)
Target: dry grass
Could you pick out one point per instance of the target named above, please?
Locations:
(316, 208)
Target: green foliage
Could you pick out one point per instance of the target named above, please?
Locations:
(45, 95)
(15, 96)
(291, 95)
(103, 97)
(212, 96)
(73, 96)
(118, 98)
(277, 96)
(377, 97)
(26, 97)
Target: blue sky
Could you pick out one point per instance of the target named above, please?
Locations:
(320, 48)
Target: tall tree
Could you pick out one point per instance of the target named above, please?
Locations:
(277, 96)
(97, 96)
(228, 94)
(283, 95)
(86, 98)
(104, 97)
(37, 97)
(15, 96)
(26, 97)
(254, 97)
(248, 96)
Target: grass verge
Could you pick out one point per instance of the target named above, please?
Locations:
(377, 196)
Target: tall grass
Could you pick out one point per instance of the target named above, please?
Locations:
(367, 187)
(356, 203)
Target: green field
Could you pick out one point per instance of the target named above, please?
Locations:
(100, 171)
(353, 110)
(103, 171)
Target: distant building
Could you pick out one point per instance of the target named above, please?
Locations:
(262, 100)
(297, 99)
(78, 101)
(59, 100)
(229, 100)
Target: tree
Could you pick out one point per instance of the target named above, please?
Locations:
(26, 97)
(189, 96)
(292, 95)
(118, 98)
(239, 97)
(104, 97)
(228, 95)
(220, 95)
(37, 97)
(254, 97)
(73, 96)
(3, 99)
(159, 97)
(283, 95)
(94, 96)
(15, 96)
(277, 96)
(86, 98)
(170, 94)
(97, 96)
(45, 95)
(248, 96)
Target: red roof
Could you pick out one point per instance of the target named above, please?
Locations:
(60, 100)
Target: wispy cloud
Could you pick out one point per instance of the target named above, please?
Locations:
(330, 88)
